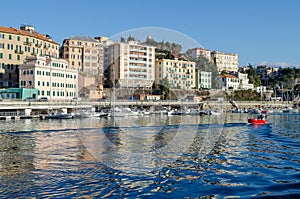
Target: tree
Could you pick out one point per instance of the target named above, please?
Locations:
(122, 40)
(253, 76)
(130, 38)
(167, 46)
(165, 88)
(203, 64)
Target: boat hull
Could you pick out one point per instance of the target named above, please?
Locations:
(257, 121)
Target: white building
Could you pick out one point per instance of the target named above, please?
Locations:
(180, 73)
(132, 65)
(227, 62)
(196, 52)
(244, 82)
(204, 80)
(229, 82)
(50, 76)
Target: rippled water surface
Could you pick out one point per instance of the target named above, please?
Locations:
(151, 156)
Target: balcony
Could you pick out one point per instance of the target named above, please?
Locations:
(19, 51)
(27, 43)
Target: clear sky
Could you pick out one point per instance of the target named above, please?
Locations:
(260, 31)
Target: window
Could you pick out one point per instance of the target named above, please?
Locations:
(9, 56)
(18, 57)
(9, 37)
(18, 38)
(1, 55)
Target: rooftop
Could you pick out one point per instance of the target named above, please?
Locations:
(83, 38)
(26, 33)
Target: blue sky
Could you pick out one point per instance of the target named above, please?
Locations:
(260, 31)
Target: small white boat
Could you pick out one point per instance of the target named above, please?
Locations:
(60, 114)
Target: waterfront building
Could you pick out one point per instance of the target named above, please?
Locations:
(244, 82)
(18, 93)
(196, 52)
(229, 82)
(227, 62)
(181, 74)
(131, 65)
(50, 76)
(16, 45)
(84, 54)
(204, 80)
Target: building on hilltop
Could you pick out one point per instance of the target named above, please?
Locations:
(181, 74)
(16, 45)
(50, 76)
(244, 82)
(227, 62)
(84, 54)
(131, 65)
(196, 52)
(265, 72)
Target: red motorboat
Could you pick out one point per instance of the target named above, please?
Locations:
(260, 119)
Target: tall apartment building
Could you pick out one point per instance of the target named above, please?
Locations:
(131, 65)
(52, 77)
(180, 73)
(16, 45)
(84, 54)
(196, 52)
(225, 61)
(204, 80)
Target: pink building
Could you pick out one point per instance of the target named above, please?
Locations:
(50, 76)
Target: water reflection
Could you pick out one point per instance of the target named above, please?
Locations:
(149, 157)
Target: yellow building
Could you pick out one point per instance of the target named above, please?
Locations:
(180, 73)
(16, 45)
(225, 61)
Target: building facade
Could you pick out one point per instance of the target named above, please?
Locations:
(196, 52)
(84, 54)
(16, 45)
(50, 76)
(225, 61)
(204, 80)
(131, 65)
(181, 74)
(229, 82)
(244, 82)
